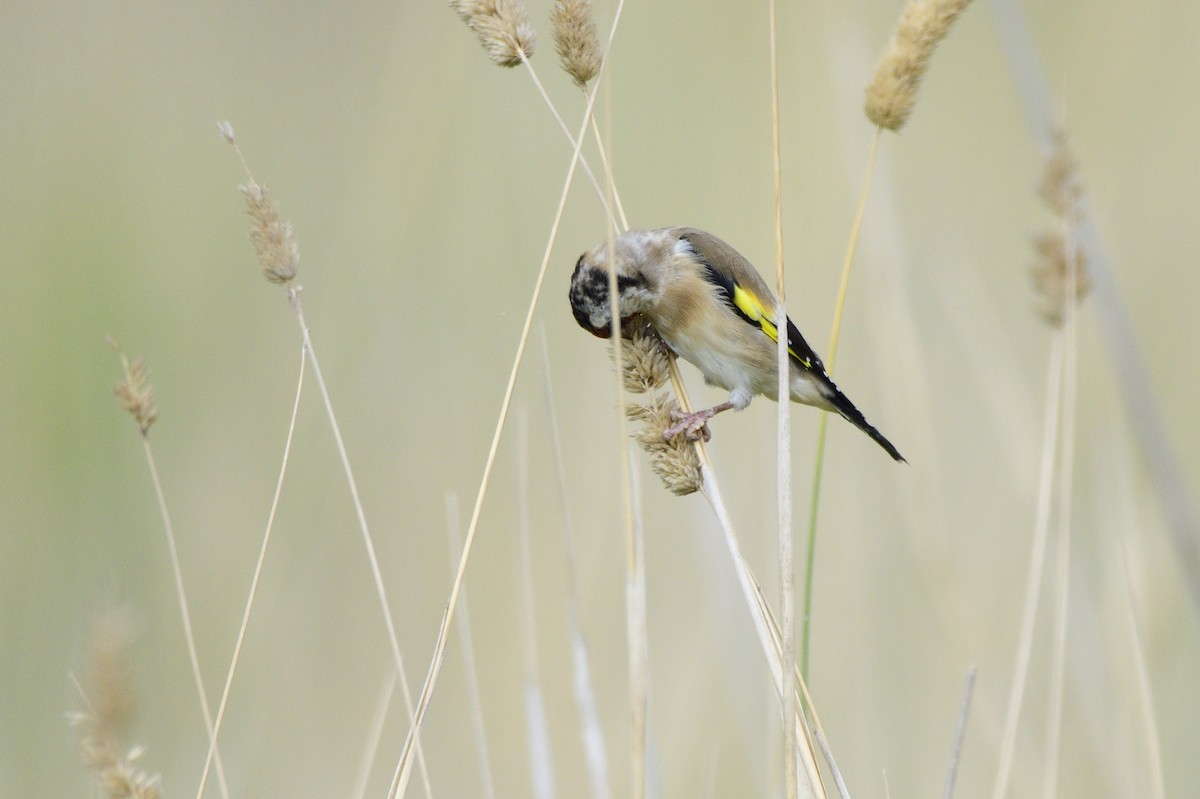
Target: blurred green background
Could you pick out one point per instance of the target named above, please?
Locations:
(422, 183)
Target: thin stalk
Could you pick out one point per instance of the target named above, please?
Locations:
(1145, 692)
(541, 765)
(1063, 554)
(374, 734)
(783, 470)
(186, 615)
(474, 697)
(368, 541)
(638, 639)
(585, 695)
(258, 567)
(810, 553)
(1037, 558)
(838, 781)
(764, 624)
(293, 295)
(583, 163)
(608, 176)
(400, 778)
(960, 734)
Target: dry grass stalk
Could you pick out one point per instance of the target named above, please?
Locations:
(277, 252)
(1060, 271)
(133, 391)
(108, 694)
(273, 240)
(502, 27)
(892, 92)
(645, 369)
(575, 40)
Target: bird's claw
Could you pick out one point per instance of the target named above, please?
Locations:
(693, 425)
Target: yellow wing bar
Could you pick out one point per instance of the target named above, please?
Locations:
(753, 310)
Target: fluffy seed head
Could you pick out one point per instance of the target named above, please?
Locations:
(1059, 264)
(134, 391)
(107, 694)
(892, 92)
(575, 39)
(502, 27)
(675, 462)
(1061, 187)
(643, 359)
(645, 370)
(273, 240)
(1060, 270)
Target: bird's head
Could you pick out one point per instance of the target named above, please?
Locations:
(637, 258)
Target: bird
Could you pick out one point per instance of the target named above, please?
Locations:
(711, 307)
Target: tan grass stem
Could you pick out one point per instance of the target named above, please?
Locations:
(258, 567)
(470, 670)
(278, 254)
(960, 734)
(136, 396)
(1065, 484)
(1145, 690)
(400, 778)
(635, 568)
(185, 614)
(374, 735)
(838, 781)
(637, 635)
(583, 162)
(537, 736)
(823, 425)
(608, 176)
(595, 754)
(783, 466)
(1033, 578)
(764, 623)
(368, 541)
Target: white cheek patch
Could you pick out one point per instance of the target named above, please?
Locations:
(683, 247)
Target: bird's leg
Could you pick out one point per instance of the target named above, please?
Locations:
(695, 424)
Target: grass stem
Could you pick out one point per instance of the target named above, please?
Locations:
(810, 553)
(185, 614)
(258, 567)
(783, 466)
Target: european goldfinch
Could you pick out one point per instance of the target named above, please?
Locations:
(712, 308)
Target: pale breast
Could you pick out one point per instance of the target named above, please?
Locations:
(702, 329)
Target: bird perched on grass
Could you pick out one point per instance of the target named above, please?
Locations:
(712, 308)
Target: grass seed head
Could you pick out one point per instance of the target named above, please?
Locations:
(1060, 273)
(134, 391)
(892, 92)
(575, 40)
(274, 242)
(502, 26)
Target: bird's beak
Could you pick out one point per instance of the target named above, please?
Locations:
(628, 325)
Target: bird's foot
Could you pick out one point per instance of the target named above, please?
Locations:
(694, 425)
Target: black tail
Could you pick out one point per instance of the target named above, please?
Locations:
(853, 415)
